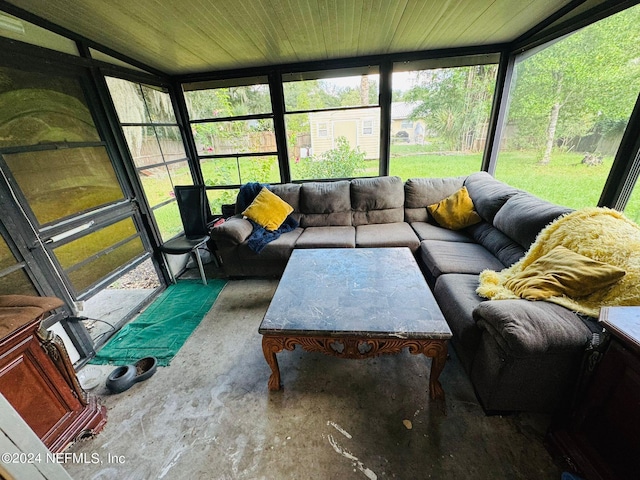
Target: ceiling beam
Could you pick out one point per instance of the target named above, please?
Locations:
(548, 21)
(536, 38)
(348, 62)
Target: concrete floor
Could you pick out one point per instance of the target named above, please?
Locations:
(209, 415)
(111, 306)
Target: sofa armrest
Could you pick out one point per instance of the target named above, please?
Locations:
(234, 231)
(523, 328)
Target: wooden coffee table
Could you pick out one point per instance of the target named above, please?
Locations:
(355, 303)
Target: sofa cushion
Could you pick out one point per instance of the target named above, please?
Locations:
(524, 328)
(268, 210)
(455, 211)
(428, 231)
(327, 237)
(377, 200)
(442, 257)
(421, 192)
(506, 250)
(387, 235)
(279, 249)
(524, 215)
(488, 194)
(325, 204)
(233, 231)
(457, 297)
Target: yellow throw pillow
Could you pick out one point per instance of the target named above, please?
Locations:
(268, 210)
(563, 272)
(456, 211)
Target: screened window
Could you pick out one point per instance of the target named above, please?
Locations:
(61, 183)
(569, 106)
(13, 275)
(439, 119)
(232, 125)
(86, 260)
(62, 177)
(18, 29)
(155, 143)
(330, 120)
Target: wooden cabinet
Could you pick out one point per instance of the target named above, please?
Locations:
(38, 380)
(600, 438)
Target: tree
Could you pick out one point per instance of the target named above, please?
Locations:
(304, 95)
(228, 102)
(583, 83)
(455, 103)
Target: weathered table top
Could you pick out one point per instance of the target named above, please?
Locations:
(365, 292)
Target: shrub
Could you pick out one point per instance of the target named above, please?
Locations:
(339, 162)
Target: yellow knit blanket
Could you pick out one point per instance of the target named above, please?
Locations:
(600, 233)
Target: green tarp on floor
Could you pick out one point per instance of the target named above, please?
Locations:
(164, 326)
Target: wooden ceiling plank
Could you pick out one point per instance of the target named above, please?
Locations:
(387, 17)
(418, 18)
(176, 32)
(276, 44)
(291, 24)
(357, 29)
(334, 41)
(366, 25)
(454, 18)
(311, 30)
(253, 37)
(207, 25)
(132, 31)
(349, 22)
(247, 25)
(325, 22)
(393, 19)
(204, 35)
(345, 21)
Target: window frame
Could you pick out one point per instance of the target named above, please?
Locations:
(261, 80)
(365, 127)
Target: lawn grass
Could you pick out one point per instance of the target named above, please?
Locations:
(564, 181)
(434, 165)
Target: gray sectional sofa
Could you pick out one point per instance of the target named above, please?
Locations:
(343, 214)
(520, 355)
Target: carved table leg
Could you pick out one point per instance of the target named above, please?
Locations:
(438, 353)
(271, 346)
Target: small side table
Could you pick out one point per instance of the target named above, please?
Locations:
(600, 436)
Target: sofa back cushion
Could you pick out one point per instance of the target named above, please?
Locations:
(508, 251)
(524, 215)
(377, 200)
(290, 193)
(488, 194)
(325, 204)
(419, 193)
